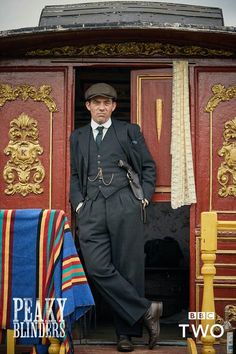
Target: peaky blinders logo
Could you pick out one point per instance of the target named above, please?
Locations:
(33, 320)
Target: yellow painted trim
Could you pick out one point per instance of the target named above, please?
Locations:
(6, 280)
(211, 162)
(139, 120)
(226, 225)
(226, 238)
(50, 160)
(226, 252)
(191, 346)
(198, 271)
(159, 109)
(228, 299)
(225, 211)
(163, 189)
(10, 341)
(225, 265)
(208, 271)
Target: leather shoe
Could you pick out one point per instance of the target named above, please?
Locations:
(151, 322)
(124, 344)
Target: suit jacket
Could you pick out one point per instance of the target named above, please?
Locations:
(134, 146)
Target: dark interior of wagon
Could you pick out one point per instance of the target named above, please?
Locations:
(166, 236)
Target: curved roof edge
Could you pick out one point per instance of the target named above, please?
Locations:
(116, 25)
(69, 41)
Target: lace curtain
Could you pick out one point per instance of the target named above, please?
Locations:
(182, 175)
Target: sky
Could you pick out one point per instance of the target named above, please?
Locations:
(26, 13)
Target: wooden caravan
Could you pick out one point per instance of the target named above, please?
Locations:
(136, 47)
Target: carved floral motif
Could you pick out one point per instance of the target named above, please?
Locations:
(227, 171)
(24, 92)
(220, 94)
(23, 172)
(129, 49)
(230, 312)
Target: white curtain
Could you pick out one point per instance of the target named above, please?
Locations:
(182, 175)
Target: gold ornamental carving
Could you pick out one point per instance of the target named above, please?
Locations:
(230, 312)
(41, 94)
(229, 315)
(23, 172)
(24, 92)
(129, 49)
(226, 175)
(220, 94)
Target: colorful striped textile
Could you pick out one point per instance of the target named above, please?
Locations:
(40, 273)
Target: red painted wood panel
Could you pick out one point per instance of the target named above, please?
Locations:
(225, 262)
(209, 140)
(56, 78)
(146, 87)
(206, 78)
(225, 294)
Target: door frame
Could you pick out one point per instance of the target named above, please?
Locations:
(134, 65)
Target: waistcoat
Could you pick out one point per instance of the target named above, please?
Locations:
(104, 174)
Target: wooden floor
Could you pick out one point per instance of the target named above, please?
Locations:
(108, 349)
(111, 349)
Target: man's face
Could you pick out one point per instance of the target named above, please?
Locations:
(100, 108)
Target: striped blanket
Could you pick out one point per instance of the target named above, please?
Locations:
(41, 276)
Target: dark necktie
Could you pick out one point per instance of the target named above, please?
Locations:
(99, 135)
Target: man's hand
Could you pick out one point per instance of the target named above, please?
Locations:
(145, 203)
(78, 207)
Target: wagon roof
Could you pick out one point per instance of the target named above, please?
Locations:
(120, 22)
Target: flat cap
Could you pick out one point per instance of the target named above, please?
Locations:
(100, 89)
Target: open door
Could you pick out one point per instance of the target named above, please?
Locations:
(151, 92)
(167, 231)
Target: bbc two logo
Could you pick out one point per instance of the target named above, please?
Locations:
(201, 315)
(199, 330)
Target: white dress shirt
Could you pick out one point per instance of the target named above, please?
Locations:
(94, 126)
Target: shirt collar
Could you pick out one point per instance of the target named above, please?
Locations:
(106, 125)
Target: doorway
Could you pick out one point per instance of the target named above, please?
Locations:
(166, 231)
(117, 77)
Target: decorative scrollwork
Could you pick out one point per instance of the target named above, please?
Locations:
(220, 321)
(227, 171)
(23, 172)
(220, 94)
(24, 92)
(230, 313)
(129, 49)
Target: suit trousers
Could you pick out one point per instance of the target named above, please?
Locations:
(112, 245)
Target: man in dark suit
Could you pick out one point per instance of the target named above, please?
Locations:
(109, 215)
